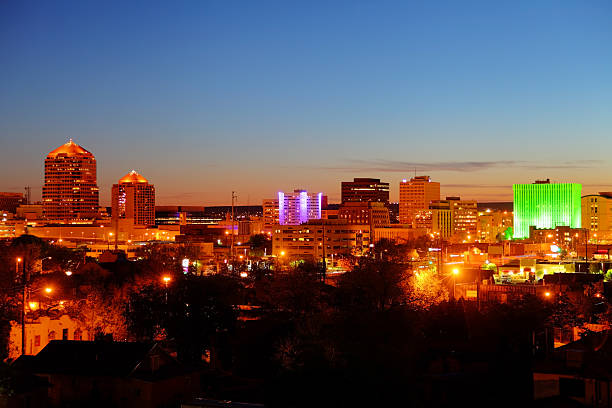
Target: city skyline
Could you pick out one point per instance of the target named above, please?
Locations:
(334, 196)
(265, 98)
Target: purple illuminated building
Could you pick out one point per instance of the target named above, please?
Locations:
(298, 207)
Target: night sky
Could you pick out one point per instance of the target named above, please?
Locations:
(206, 97)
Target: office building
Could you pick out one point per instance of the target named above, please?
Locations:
(270, 211)
(365, 190)
(441, 218)
(374, 214)
(319, 239)
(597, 212)
(10, 201)
(70, 191)
(545, 205)
(465, 218)
(133, 199)
(415, 196)
(293, 208)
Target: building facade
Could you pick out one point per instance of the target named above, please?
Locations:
(365, 190)
(10, 201)
(70, 191)
(133, 198)
(546, 205)
(597, 212)
(298, 207)
(319, 239)
(416, 195)
(374, 214)
(465, 218)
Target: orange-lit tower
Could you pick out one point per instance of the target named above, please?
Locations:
(134, 198)
(70, 191)
(415, 196)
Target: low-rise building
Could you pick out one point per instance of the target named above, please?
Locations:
(319, 239)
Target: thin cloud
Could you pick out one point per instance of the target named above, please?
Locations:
(394, 166)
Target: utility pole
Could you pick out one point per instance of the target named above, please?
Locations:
(232, 244)
(23, 307)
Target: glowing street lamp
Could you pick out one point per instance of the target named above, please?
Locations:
(455, 273)
(166, 279)
(48, 290)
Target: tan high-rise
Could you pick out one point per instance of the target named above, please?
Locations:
(70, 191)
(416, 195)
(134, 199)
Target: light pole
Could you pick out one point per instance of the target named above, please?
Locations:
(166, 279)
(455, 273)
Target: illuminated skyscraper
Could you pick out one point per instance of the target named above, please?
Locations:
(415, 196)
(298, 207)
(70, 191)
(134, 199)
(545, 205)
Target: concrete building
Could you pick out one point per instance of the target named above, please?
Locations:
(492, 225)
(465, 218)
(546, 205)
(374, 214)
(397, 233)
(441, 218)
(319, 239)
(365, 190)
(133, 199)
(10, 201)
(597, 213)
(298, 207)
(416, 195)
(270, 211)
(70, 191)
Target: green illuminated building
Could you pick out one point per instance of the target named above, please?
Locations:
(545, 205)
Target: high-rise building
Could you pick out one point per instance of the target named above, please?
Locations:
(133, 198)
(545, 205)
(298, 207)
(365, 190)
(415, 196)
(70, 191)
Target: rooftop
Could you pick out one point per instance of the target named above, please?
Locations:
(69, 149)
(132, 177)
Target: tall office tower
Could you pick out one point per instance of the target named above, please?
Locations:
(365, 190)
(545, 205)
(415, 196)
(298, 207)
(134, 199)
(70, 191)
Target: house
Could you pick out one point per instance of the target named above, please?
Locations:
(106, 373)
(581, 371)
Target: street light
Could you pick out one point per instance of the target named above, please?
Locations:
(455, 273)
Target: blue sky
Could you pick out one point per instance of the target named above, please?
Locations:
(206, 97)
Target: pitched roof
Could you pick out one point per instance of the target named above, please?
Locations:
(133, 177)
(69, 148)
